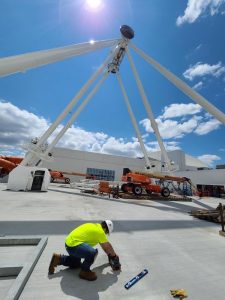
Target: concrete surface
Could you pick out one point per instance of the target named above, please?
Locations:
(12, 266)
(178, 250)
(5, 284)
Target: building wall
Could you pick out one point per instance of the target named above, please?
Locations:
(79, 161)
(205, 177)
(178, 157)
(182, 161)
(193, 163)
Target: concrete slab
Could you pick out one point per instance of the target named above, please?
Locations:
(9, 249)
(9, 271)
(16, 255)
(5, 284)
(178, 250)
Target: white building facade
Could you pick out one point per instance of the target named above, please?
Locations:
(110, 167)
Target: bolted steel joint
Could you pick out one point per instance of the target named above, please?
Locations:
(113, 67)
(127, 34)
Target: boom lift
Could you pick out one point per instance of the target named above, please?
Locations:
(59, 176)
(138, 181)
(29, 175)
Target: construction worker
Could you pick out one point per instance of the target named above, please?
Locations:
(79, 245)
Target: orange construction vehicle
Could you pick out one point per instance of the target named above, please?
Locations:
(57, 176)
(137, 181)
(8, 163)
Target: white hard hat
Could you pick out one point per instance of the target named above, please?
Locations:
(109, 224)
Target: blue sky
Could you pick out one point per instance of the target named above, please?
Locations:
(185, 36)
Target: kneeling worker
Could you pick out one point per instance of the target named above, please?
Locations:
(79, 244)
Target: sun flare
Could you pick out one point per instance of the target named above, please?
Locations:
(94, 4)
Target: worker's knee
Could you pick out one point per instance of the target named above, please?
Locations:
(92, 254)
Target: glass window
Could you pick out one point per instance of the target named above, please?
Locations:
(101, 174)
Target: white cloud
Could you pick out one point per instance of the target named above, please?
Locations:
(18, 127)
(168, 128)
(208, 126)
(195, 8)
(78, 138)
(198, 85)
(198, 47)
(209, 159)
(117, 147)
(180, 109)
(172, 129)
(200, 69)
(172, 145)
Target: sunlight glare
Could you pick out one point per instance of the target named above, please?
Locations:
(94, 4)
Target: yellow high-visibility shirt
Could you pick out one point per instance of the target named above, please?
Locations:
(89, 233)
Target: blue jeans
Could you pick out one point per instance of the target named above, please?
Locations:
(73, 260)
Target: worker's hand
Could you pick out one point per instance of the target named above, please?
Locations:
(114, 262)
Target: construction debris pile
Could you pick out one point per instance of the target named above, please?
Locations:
(212, 215)
(155, 196)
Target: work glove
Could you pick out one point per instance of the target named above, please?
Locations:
(114, 262)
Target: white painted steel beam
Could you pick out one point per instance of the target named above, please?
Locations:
(24, 62)
(30, 157)
(219, 115)
(133, 120)
(77, 112)
(149, 111)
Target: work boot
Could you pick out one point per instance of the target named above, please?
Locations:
(88, 275)
(55, 261)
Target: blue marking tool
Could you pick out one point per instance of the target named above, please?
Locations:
(135, 279)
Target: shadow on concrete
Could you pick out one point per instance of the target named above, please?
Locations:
(72, 285)
(169, 205)
(59, 227)
(124, 201)
(206, 206)
(181, 206)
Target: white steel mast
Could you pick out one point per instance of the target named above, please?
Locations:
(219, 115)
(24, 62)
(150, 113)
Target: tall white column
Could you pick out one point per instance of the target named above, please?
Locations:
(149, 112)
(133, 120)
